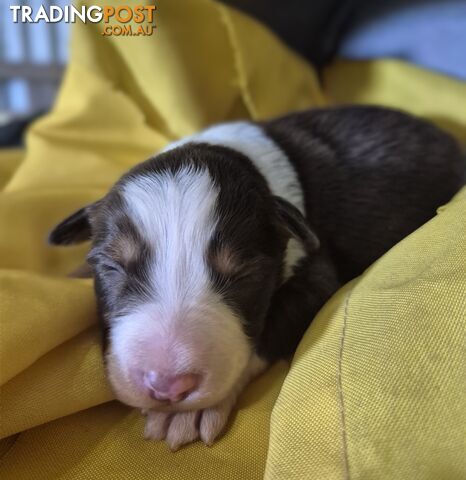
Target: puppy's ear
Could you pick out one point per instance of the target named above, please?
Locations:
(74, 229)
(295, 225)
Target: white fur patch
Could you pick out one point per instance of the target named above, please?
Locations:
(295, 252)
(185, 328)
(267, 156)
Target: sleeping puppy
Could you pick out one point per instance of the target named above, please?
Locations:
(212, 258)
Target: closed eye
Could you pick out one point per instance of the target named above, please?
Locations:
(112, 267)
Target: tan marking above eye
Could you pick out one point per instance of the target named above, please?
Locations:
(124, 249)
(225, 262)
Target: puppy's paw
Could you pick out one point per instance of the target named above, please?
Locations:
(181, 428)
(157, 424)
(213, 421)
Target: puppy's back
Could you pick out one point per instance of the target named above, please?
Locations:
(370, 176)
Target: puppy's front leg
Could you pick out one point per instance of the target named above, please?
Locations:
(214, 419)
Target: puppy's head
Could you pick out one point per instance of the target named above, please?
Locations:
(187, 251)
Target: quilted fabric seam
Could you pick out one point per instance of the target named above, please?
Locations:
(341, 398)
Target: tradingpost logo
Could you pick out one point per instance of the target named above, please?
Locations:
(123, 20)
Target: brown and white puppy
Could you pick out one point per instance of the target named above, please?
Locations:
(212, 258)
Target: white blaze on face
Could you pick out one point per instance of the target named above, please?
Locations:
(175, 214)
(185, 328)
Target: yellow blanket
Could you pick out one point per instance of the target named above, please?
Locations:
(377, 388)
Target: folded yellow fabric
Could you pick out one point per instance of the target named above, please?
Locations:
(122, 99)
(377, 389)
(374, 375)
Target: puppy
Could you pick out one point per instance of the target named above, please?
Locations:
(212, 258)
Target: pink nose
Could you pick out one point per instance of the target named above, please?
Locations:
(173, 388)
